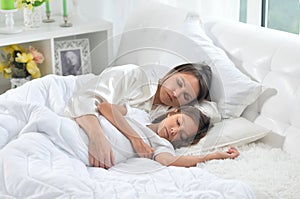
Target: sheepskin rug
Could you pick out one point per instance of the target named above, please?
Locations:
(270, 172)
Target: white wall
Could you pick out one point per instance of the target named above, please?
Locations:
(117, 11)
(254, 12)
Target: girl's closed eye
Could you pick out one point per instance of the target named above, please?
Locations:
(183, 136)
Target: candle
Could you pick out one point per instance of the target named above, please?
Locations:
(47, 7)
(65, 8)
(7, 4)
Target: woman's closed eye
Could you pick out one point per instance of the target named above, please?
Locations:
(187, 96)
(180, 82)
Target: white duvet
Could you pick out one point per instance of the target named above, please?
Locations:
(44, 159)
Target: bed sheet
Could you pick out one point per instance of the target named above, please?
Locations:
(36, 165)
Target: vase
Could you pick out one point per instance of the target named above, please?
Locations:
(17, 82)
(33, 18)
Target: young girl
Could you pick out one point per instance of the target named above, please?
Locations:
(177, 128)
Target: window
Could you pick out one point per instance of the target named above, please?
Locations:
(276, 14)
(243, 11)
(283, 15)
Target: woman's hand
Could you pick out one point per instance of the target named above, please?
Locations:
(100, 152)
(142, 148)
(115, 114)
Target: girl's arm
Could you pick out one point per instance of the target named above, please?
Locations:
(168, 159)
(100, 152)
(115, 114)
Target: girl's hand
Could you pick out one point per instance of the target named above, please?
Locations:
(231, 153)
(142, 148)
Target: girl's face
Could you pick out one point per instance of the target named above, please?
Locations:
(178, 128)
(179, 89)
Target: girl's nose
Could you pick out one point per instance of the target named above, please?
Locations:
(174, 131)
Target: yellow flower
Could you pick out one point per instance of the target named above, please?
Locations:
(36, 75)
(11, 48)
(7, 73)
(19, 4)
(2, 66)
(24, 57)
(33, 70)
(29, 6)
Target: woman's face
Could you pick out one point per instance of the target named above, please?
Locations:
(179, 89)
(178, 128)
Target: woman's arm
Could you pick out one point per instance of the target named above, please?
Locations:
(115, 114)
(100, 152)
(168, 159)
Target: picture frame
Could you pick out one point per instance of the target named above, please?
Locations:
(72, 57)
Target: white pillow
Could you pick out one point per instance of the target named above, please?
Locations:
(229, 132)
(231, 89)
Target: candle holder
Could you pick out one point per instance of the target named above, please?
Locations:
(9, 23)
(66, 23)
(48, 20)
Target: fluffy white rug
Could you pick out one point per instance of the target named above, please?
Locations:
(270, 172)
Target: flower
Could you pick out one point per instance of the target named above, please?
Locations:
(29, 4)
(21, 63)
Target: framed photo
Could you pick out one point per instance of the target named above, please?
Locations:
(72, 57)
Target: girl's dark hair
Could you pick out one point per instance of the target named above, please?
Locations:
(201, 71)
(198, 117)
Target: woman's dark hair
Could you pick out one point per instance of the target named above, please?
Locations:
(201, 71)
(197, 116)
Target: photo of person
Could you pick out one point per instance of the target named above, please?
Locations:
(71, 62)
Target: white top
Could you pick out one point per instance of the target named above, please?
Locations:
(126, 84)
(121, 146)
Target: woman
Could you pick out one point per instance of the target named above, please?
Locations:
(184, 84)
(177, 128)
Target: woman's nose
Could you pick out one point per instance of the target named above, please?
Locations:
(175, 93)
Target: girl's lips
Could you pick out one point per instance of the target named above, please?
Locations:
(167, 133)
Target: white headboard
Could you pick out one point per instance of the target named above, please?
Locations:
(273, 58)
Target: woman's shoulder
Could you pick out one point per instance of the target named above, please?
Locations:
(125, 67)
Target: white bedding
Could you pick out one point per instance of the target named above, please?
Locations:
(42, 161)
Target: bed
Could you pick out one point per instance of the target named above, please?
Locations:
(263, 124)
(35, 166)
